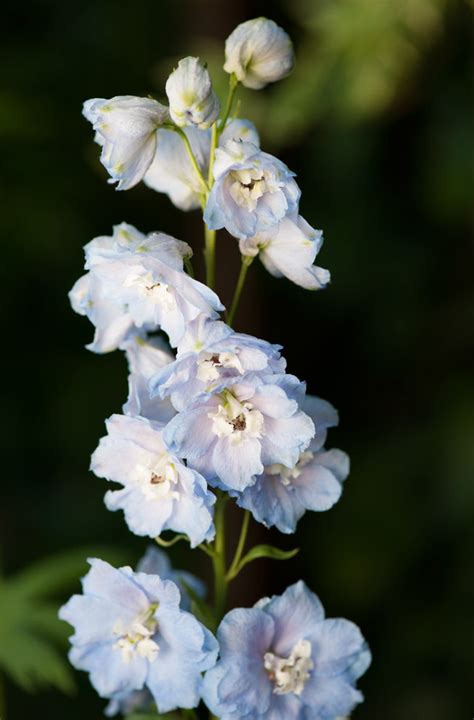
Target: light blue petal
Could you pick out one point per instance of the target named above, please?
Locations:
(273, 503)
(329, 698)
(189, 434)
(336, 461)
(109, 674)
(336, 644)
(114, 585)
(317, 488)
(186, 649)
(244, 636)
(286, 439)
(237, 464)
(296, 614)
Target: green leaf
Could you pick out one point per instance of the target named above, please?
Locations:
(34, 663)
(263, 551)
(59, 571)
(33, 641)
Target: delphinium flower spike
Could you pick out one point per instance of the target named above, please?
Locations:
(212, 416)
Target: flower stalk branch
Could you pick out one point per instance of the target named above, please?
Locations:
(246, 262)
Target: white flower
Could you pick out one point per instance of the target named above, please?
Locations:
(159, 492)
(192, 99)
(171, 171)
(258, 52)
(126, 129)
(252, 192)
(137, 281)
(289, 249)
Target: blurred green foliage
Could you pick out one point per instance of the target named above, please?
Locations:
(377, 121)
(32, 638)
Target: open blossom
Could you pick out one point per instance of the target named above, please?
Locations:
(252, 192)
(159, 492)
(146, 356)
(283, 660)
(155, 562)
(232, 435)
(211, 356)
(289, 249)
(282, 494)
(190, 94)
(126, 129)
(171, 171)
(258, 52)
(131, 635)
(137, 281)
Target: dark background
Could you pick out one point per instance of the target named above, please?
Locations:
(376, 121)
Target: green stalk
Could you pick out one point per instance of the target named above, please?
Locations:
(210, 256)
(219, 559)
(212, 154)
(233, 82)
(194, 162)
(246, 263)
(189, 267)
(231, 573)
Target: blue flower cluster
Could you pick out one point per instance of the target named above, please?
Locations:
(210, 413)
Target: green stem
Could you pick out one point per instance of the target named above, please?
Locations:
(212, 154)
(210, 256)
(233, 82)
(192, 157)
(240, 547)
(3, 705)
(219, 559)
(189, 267)
(207, 550)
(246, 263)
(168, 543)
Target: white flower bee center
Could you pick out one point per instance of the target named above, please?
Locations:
(159, 479)
(289, 675)
(288, 474)
(151, 288)
(209, 365)
(249, 185)
(136, 639)
(236, 420)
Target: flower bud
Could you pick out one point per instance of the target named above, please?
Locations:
(258, 52)
(192, 99)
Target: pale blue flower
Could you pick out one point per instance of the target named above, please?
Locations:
(282, 660)
(159, 492)
(171, 171)
(190, 94)
(252, 192)
(137, 281)
(231, 436)
(210, 357)
(126, 129)
(282, 494)
(258, 52)
(131, 635)
(146, 356)
(289, 249)
(156, 562)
